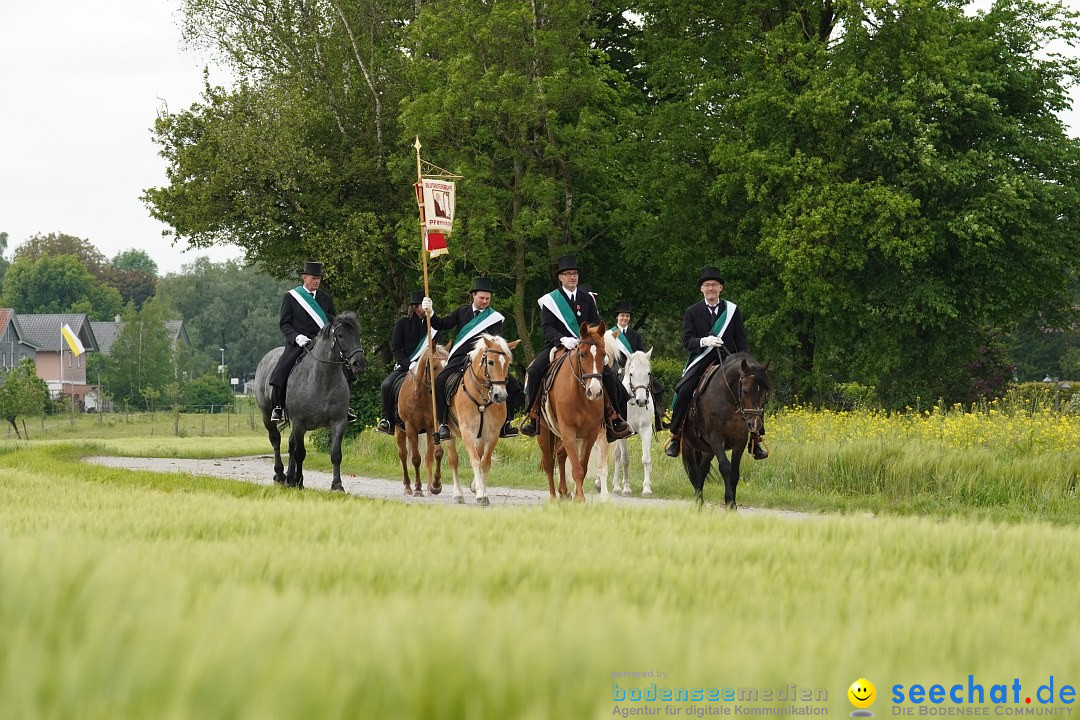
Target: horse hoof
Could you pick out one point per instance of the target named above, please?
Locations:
(626, 491)
(279, 480)
(459, 499)
(418, 493)
(435, 489)
(338, 487)
(483, 501)
(646, 492)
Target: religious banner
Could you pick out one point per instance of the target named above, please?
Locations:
(438, 206)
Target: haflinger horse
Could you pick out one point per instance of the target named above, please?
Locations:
(637, 379)
(479, 411)
(414, 409)
(725, 412)
(317, 395)
(572, 413)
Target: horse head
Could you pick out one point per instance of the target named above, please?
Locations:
(637, 377)
(438, 362)
(344, 336)
(490, 360)
(588, 359)
(749, 385)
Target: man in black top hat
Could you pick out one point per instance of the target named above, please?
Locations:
(304, 311)
(561, 312)
(470, 320)
(633, 344)
(712, 330)
(406, 344)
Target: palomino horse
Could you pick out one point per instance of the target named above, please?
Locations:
(636, 378)
(479, 411)
(729, 406)
(573, 411)
(317, 395)
(414, 409)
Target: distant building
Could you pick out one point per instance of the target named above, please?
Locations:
(107, 332)
(62, 371)
(14, 345)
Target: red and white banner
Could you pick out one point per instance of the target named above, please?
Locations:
(435, 243)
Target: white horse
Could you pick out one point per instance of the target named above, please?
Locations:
(637, 376)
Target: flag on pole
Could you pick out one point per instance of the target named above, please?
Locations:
(435, 243)
(72, 340)
(439, 200)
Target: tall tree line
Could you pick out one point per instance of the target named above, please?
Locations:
(887, 187)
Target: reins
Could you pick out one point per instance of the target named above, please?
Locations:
(487, 385)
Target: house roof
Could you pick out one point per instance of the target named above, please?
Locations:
(44, 330)
(107, 332)
(7, 315)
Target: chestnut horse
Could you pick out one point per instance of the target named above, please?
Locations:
(572, 412)
(479, 411)
(728, 406)
(414, 409)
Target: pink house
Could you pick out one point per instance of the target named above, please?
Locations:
(63, 372)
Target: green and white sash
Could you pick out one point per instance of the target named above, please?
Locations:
(555, 302)
(422, 345)
(622, 342)
(307, 301)
(474, 328)
(718, 329)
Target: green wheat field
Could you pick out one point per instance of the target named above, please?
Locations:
(932, 550)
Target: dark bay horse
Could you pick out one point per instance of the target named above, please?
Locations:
(572, 414)
(724, 413)
(317, 395)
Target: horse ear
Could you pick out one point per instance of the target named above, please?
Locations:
(649, 354)
(513, 344)
(765, 367)
(745, 367)
(603, 328)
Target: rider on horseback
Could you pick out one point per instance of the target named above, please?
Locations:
(561, 312)
(711, 331)
(406, 345)
(470, 320)
(629, 341)
(304, 311)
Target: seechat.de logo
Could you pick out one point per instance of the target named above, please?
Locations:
(862, 695)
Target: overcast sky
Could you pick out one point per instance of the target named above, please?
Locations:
(80, 85)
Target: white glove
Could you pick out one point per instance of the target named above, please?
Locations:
(412, 366)
(302, 340)
(569, 342)
(427, 306)
(711, 341)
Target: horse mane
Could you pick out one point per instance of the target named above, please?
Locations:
(757, 370)
(478, 347)
(611, 349)
(348, 319)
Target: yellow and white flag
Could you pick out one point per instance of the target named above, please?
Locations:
(72, 340)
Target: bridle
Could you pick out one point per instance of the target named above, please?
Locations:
(740, 405)
(634, 388)
(343, 359)
(582, 377)
(486, 387)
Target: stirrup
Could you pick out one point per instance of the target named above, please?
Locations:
(760, 451)
(350, 416)
(277, 414)
(444, 431)
(508, 430)
(673, 447)
(530, 426)
(384, 427)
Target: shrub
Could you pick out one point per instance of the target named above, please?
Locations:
(208, 393)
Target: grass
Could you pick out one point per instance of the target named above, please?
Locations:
(143, 595)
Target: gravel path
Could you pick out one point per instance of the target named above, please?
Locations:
(259, 469)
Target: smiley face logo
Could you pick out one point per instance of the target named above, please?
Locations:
(862, 693)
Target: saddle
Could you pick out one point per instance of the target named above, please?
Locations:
(545, 389)
(702, 383)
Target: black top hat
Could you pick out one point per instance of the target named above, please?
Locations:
(482, 284)
(710, 273)
(623, 306)
(567, 262)
(312, 268)
(416, 297)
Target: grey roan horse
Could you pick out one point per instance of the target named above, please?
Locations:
(317, 395)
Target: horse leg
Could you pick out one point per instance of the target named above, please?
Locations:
(697, 467)
(560, 460)
(403, 456)
(275, 442)
(577, 452)
(452, 458)
(601, 452)
(622, 465)
(337, 432)
(414, 456)
(297, 453)
(435, 487)
(730, 470)
(546, 441)
(479, 483)
(646, 433)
